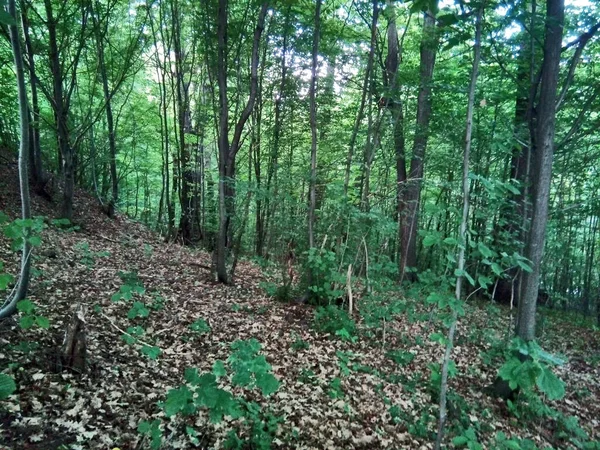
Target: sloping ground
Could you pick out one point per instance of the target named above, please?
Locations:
(121, 387)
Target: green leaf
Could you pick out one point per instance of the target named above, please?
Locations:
(5, 18)
(128, 339)
(496, 269)
(523, 265)
(430, 240)
(192, 434)
(26, 306)
(151, 352)
(191, 376)
(218, 369)
(460, 441)
(438, 337)
(549, 357)
(484, 282)
(267, 383)
(512, 189)
(35, 241)
(446, 20)
(484, 250)
(7, 386)
(144, 427)
(138, 310)
(224, 405)
(42, 322)
(550, 384)
(26, 322)
(507, 372)
(470, 278)
(200, 326)
(177, 400)
(5, 280)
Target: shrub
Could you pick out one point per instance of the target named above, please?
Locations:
(333, 320)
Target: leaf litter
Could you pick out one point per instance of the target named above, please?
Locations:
(333, 394)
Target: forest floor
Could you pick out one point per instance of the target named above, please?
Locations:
(375, 402)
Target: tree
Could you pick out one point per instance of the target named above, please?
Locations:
(412, 194)
(312, 196)
(542, 166)
(228, 149)
(63, 76)
(463, 238)
(10, 305)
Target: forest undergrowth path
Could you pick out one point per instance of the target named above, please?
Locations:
(121, 386)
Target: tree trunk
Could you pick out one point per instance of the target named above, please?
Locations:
(542, 166)
(112, 145)
(10, 305)
(228, 150)
(35, 154)
(365, 89)
(408, 241)
(463, 229)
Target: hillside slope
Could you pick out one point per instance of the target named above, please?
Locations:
(333, 393)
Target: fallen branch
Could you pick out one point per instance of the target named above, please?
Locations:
(138, 340)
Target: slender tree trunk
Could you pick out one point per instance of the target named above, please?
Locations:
(223, 140)
(463, 228)
(268, 209)
(313, 128)
(61, 115)
(365, 89)
(10, 305)
(35, 154)
(589, 264)
(112, 144)
(542, 166)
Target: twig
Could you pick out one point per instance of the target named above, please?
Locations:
(109, 239)
(349, 287)
(202, 266)
(138, 340)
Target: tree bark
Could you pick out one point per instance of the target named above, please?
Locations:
(542, 166)
(35, 153)
(408, 241)
(228, 150)
(313, 129)
(10, 305)
(112, 145)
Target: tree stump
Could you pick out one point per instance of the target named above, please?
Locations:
(73, 355)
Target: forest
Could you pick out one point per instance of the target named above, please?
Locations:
(249, 224)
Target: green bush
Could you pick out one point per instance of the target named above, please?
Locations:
(335, 321)
(528, 366)
(326, 283)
